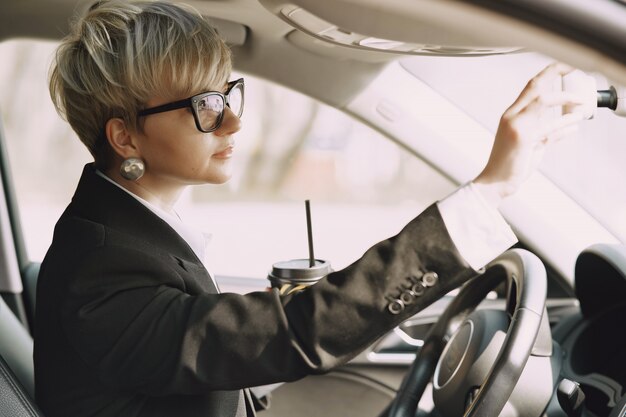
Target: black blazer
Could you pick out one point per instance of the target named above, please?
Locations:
(128, 322)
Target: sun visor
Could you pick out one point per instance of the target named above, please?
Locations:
(233, 33)
(433, 42)
(600, 277)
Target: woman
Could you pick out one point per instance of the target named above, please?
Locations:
(129, 322)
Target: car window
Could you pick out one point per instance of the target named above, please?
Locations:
(290, 148)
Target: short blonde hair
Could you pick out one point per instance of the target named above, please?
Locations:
(123, 53)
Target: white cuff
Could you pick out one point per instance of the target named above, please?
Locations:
(478, 230)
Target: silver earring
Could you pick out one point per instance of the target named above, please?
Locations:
(132, 169)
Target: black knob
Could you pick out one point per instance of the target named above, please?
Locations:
(571, 398)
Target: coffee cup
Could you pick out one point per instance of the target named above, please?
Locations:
(297, 274)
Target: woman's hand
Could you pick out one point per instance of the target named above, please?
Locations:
(524, 131)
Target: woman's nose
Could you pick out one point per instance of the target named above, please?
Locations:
(231, 123)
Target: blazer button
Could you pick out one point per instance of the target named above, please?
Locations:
(418, 289)
(396, 307)
(430, 278)
(408, 297)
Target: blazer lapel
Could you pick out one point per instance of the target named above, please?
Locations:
(196, 270)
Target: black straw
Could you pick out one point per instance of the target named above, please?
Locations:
(310, 233)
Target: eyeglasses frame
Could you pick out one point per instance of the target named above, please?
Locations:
(192, 102)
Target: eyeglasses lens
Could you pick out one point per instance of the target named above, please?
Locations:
(210, 109)
(235, 99)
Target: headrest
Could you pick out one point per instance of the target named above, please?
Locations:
(600, 278)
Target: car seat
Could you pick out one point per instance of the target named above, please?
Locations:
(16, 367)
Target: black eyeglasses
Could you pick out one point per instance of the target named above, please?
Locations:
(208, 108)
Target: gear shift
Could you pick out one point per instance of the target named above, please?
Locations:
(571, 398)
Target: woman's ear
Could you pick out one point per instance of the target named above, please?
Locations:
(120, 139)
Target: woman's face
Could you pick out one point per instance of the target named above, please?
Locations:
(176, 152)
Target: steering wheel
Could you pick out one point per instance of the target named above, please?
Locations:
(462, 379)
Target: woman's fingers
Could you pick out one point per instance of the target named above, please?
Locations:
(532, 121)
(537, 126)
(552, 99)
(558, 134)
(542, 116)
(543, 82)
(563, 121)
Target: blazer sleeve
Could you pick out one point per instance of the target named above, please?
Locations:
(127, 315)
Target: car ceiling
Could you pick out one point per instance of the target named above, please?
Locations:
(265, 42)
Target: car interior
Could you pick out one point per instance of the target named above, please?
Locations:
(406, 96)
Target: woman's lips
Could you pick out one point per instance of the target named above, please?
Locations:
(225, 154)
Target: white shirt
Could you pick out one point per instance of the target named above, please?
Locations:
(477, 229)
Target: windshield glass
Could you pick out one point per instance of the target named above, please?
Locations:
(588, 166)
